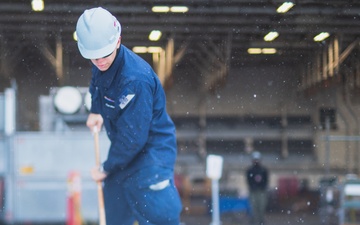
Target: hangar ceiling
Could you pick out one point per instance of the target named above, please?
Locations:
(218, 29)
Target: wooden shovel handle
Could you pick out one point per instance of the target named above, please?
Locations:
(102, 219)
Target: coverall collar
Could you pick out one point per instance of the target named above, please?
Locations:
(105, 78)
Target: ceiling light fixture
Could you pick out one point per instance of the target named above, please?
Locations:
(155, 35)
(271, 36)
(286, 6)
(257, 51)
(75, 36)
(174, 9)
(139, 49)
(160, 9)
(268, 51)
(144, 49)
(154, 49)
(322, 36)
(37, 5)
(254, 51)
(179, 9)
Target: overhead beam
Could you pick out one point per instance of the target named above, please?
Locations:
(195, 19)
(165, 60)
(55, 59)
(209, 9)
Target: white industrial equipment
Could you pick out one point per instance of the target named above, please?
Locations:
(65, 108)
(350, 202)
(68, 100)
(214, 165)
(34, 166)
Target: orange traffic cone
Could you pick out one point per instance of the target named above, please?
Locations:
(74, 199)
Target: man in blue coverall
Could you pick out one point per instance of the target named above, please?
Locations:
(127, 97)
(257, 177)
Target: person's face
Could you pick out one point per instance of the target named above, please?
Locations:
(105, 62)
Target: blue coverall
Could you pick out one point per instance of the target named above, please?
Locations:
(257, 178)
(132, 102)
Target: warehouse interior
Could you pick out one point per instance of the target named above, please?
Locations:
(239, 77)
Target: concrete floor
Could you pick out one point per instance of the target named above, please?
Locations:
(271, 219)
(242, 219)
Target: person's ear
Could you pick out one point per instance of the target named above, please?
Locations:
(118, 43)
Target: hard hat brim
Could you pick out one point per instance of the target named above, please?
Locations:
(99, 53)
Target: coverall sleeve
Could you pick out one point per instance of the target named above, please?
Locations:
(95, 108)
(131, 128)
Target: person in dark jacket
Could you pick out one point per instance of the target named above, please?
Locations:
(257, 180)
(129, 100)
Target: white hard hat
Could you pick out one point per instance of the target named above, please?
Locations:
(98, 32)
